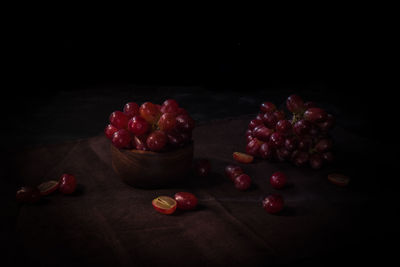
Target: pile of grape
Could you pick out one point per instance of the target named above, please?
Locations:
(150, 126)
(302, 139)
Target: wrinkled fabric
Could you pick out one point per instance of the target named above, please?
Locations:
(108, 223)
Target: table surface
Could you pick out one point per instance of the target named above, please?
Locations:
(110, 223)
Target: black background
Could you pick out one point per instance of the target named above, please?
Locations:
(328, 61)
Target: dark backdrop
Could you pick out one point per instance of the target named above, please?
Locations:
(55, 65)
(67, 79)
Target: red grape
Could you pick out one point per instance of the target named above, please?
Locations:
(182, 111)
(302, 127)
(167, 122)
(277, 139)
(291, 143)
(295, 104)
(249, 135)
(305, 143)
(186, 200)
(323, 145)
(278, 180)
(110, 130)
(170, 106)
(301, 159)
(149, 112)
(232, 171)
(131, 109)
(266, 151)
(157, 140)
(303, 139)
(284, 126)
(253, 146)
(119, 119)
(279, 115)
(121, 138)
(327, 156)
(282, 154)
(316, 161)
(270, 120)
(314, 130)
(67, 184)
(242, 182)
(267, 107)
(327, 124)
(315, 115)
(260, 117)
(185, 123)
(262, 133)
(249, 138)
(254, 123)
(175, 138)
(273, 203)
(138, 125)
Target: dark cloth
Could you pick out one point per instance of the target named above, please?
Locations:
(108, 223)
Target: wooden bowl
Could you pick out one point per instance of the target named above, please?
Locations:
(146, 169)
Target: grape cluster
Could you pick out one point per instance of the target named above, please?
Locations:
(150, 127)
(302, 139)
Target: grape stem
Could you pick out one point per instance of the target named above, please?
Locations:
(295, 118)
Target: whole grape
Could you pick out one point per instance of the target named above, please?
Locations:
(316, 161)
(266, 151)
(267, 107)
(302, 127)
(315, 115)
(295, 104)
